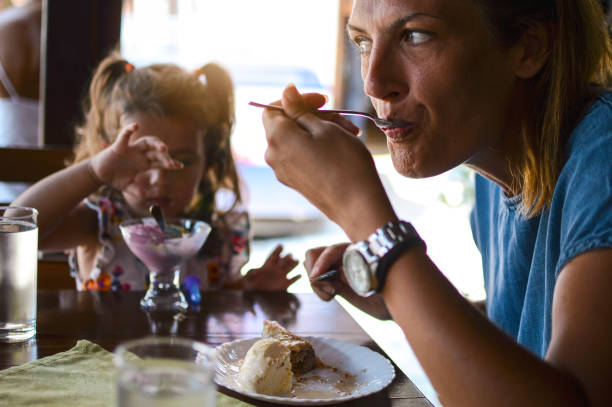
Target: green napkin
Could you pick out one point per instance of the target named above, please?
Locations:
(83, 376)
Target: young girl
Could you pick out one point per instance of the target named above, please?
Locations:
(151, 135)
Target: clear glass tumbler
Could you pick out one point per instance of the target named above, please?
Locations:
(18, 272)
(164, 372)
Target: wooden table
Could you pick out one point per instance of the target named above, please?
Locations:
(110, 318)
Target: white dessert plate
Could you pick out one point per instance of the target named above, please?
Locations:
(370, 370)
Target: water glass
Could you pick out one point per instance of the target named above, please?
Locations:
(18, 270)
(165, 371)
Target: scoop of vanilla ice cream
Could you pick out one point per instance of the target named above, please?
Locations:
(266, 368)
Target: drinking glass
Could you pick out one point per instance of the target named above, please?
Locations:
(163, 252)
(165, 371)
(18, 269)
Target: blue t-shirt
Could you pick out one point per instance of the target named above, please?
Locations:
(522, 258)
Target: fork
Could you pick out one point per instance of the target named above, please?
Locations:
(379, 122)
(328, 275)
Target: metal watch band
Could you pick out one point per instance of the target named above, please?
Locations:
(387, 243)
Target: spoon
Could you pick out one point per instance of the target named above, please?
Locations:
(169, 232)
(156, 211)
(379, 122)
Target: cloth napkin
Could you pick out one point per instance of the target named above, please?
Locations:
(83, 376)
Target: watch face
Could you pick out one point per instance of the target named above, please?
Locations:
(357, 272)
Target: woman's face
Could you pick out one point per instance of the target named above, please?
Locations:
(172, 190)
(433, 65)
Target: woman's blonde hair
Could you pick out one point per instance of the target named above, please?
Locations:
(580, 58)
(205, 96)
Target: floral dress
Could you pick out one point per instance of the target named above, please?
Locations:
(116, 268)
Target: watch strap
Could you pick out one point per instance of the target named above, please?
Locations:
(388, 243)
(385, 263)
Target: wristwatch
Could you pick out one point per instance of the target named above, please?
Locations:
(367, 262)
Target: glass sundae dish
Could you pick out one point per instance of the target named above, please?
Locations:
(163, 252)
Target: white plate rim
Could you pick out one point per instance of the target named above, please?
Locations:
(384, 375)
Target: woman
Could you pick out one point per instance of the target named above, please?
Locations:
(516, 91)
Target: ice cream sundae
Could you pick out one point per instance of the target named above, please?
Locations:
(163, 252)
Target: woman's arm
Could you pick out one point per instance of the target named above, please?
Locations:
(581, 342)
(471, 362)
(468, 359)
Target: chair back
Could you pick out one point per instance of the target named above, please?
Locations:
(21, 164)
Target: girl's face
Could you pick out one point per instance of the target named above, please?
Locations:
(172, 190)
(433, 65)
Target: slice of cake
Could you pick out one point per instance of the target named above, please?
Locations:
(303, 357)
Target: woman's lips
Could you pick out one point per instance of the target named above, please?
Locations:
(399, 133)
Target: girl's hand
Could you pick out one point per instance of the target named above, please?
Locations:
(273, 274)
(129, 155)
(323, 160)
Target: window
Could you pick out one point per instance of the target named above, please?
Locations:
(264, 44)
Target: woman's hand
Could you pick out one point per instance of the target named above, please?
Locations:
(272, 275)
(321, 158)
(129, 155)
(322, 259)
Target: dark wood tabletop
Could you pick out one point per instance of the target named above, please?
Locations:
(108, 318)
